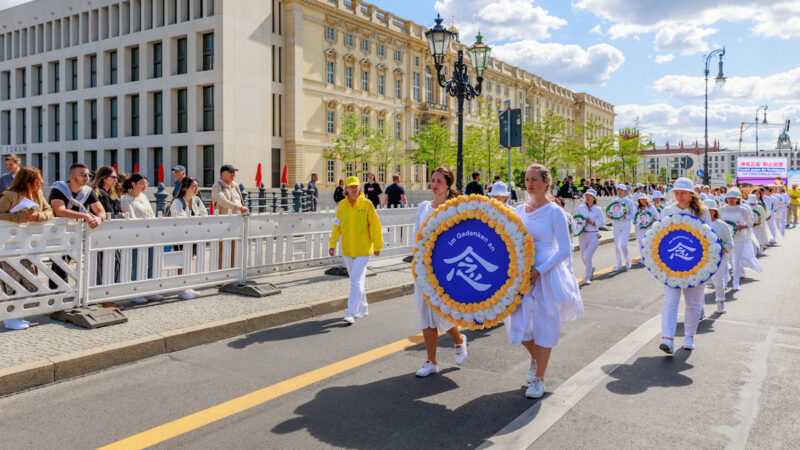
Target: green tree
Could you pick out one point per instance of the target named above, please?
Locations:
(350, 145)
(630, 143)
(473, 143)
(545, 141)
(589, 147)
(380, 144)
(436, 147)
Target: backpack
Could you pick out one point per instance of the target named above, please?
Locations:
(167, 209)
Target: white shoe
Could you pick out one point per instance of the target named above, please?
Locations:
(195, 293)
(721, 308)
(16, 324)
(461, 351)
(362, 313)
(186, 295)
(350, 320)
(616, 269)
(139, 300)
(154, 298)
(735, 288)
(531, 372)
(428, 368)
(628, 265)
(667, 346)
(536, 389)
(702, 315)
(688, 342)
(587, 282)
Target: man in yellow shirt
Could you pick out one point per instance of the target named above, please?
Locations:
(794, 195)
(360, 229)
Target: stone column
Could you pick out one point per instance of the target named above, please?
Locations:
(293, 100)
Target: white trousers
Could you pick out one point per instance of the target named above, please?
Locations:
(792, 214)
(693, 305)
(588, 243)
(640, 234)
(357, 268)
(622, 232)
(773, 229)
(720, 279)
(736, 261)
(781, 221)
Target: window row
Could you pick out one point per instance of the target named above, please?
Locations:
(331, 34)
(348, 170)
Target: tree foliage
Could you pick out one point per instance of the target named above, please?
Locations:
(350, 145)
(436, 147)
(546, 141)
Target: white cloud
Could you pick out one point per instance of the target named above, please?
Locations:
(597, 29)
(779, 21)
(500, 20)
(683, 39)
(660, 59)
(562, 63)
(780, 87)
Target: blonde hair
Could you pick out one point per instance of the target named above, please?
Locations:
(697, 206)
(545, 174)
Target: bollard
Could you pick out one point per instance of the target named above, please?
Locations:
(274, 203)
(246, 201)
(261, 198)
(311, 199)
(297, 194)
(161, 198)
(284, 197)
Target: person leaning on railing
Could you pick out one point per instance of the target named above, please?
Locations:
(27, 188)
(109, 193)
(187, 203)
(136, 205)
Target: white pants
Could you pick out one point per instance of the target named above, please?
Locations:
(773, 229)
(622, 232)
(736, 261)
(720, 279)
(640, 234)
(781, 221)
(588, 243)
(693, 305)
(357, 268)
(792, 214)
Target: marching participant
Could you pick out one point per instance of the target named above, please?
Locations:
(687, 202)
(725, 234)
(643, 206)
(785, 200)
(555, 297)
(759, 222)
(429, 321)
(588, 240)
(358, 225)
(764, 196)
(743, 250)
(658, 201)
(499, 192)
(779, 211)
(622, 229)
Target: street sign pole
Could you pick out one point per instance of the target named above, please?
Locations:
(509, 147)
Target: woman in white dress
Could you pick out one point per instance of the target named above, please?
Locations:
(555, 297)
(725, 235)
(588, 241)
(759, 222)
(429, 320)
(743, 255)
(687, 201)
(642, 205)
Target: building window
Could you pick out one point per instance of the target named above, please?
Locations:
(364, 171)
(208, 51)
(135, 64)
(365, 45)
(365, 81)
(157, 62)
(398, 55)
(112, 68)
(113, 107)
(398, 89)
(182, 113)
(74, 114)
(331, 122)
(39, 124)
(74, 74)
(208, 108)
(38, 71)
(381, 50)
(331, 171)
(397, 126)
(348, 40)
(348, 77)
(135, 115)
(330, 33)
(182, 55)
(365, 125)
(157, 113)
(56, 77)
(415, 86)
(92, 70)
(428, 85)
(331, 72)
(416, 61)
(93, 119)
(24, 119)
(208, 165)
(416, 126)
(381, 85)
(349, 170)
(56, 123)
(381, 174)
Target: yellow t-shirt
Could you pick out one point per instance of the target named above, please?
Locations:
(794, 194)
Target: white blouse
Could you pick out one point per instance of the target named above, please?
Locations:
(137, 208)
(595, 214)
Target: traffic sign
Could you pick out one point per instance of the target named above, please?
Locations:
(511, 128)
(699, 172)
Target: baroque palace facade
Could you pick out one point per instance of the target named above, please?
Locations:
(144, 83)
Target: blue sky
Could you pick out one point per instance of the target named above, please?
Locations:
(645, 56)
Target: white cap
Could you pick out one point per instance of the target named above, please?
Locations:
(499, 189)
(623, 187)
(657, 194)
(733, 193)
(697, 186)
(683, 184)
(591, 192)
(703, 196)
(752, 199)
(710, 204)
(638, 196)
(638, 185)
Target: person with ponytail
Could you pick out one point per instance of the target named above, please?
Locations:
(588, 241)
(429, 320)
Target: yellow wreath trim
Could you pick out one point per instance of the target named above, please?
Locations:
(663, 267)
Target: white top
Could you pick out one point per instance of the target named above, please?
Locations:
(740, 215)
(631, 208)
(423, 211)
(595, 214)
(137, 208)
(724, 233)
(652, 210)
(675, 209)
(177, 208)
(550, 235)
(761, 211)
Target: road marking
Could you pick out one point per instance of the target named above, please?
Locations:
(191, 422)
(607, 270)
(532, 424)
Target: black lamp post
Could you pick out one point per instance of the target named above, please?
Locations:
(720, 80)
(459, 85)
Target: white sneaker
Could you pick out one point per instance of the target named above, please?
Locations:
(461, 351)
(735, 288)
(616, 269)
(16, 324)
(688, 342)
(350, 320)
(536, 389)
(721, 308)
(362, 313)
(139, 300)
(628, 265)
(531, 372)
(667, 346)
(186, 295)
(428, 368)
(154, 298)
(195, 293)
(587, 281)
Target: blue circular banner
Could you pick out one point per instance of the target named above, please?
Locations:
(680, 251)
(470, 261)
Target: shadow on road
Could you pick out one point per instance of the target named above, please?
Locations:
(648, 372)
(294, 331)
(393, 413)
(445, 341)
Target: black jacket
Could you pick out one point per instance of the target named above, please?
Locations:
(473, 187)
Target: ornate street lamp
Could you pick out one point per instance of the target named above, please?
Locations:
(720, 81)
(459, 85)
(764, 107)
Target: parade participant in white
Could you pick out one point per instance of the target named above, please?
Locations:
(622, 229)
(555, 296)
(588, 241)
(429, 321)
(658, 201)
(642, 205)
(725, 235)
(759, 222)
(784, 208)
(687, 202)
(743, 255)
(769, 202)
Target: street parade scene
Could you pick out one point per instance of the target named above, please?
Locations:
(403, 225)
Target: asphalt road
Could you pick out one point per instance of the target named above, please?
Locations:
(328, 386)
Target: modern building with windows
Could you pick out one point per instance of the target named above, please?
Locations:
(145, 83)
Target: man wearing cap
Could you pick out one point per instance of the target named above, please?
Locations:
(622, 228)
(499, 192)
(178, 172)
(225, 194)
(360, 229)
(794, 202)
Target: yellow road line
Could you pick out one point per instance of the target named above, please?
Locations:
(607, 270)
(191, 422)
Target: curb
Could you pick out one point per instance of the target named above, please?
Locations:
(59, 368)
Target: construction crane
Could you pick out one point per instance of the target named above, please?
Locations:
(747, 125)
